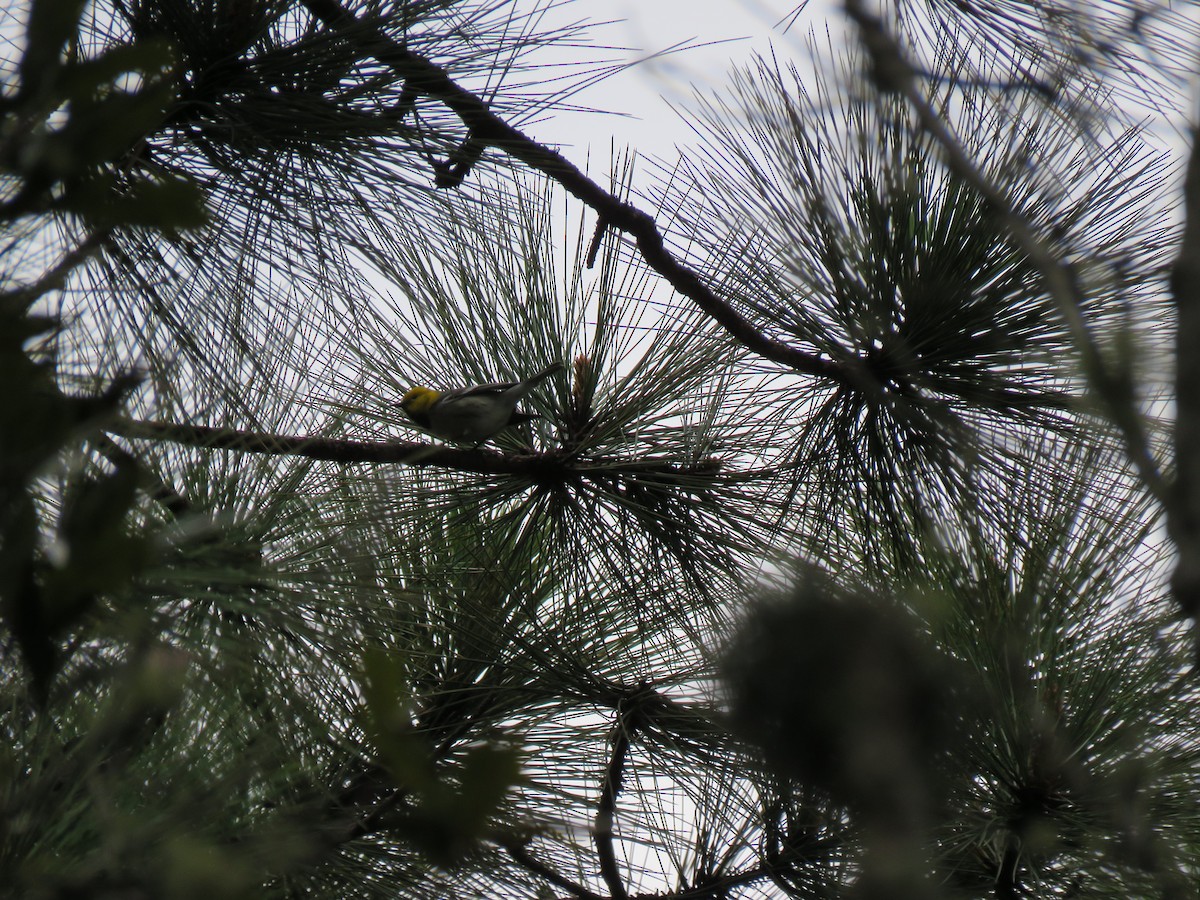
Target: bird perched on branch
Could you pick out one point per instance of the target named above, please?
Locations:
(472, 415)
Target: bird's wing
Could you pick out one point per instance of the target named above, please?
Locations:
(478, 389)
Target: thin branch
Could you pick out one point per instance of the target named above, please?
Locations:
(602, 829)
(597, 240)
(24, 297)
(354, 812)
(166, 495)
(1006, 874)
(534, 465)
(719, 888)
(893, 72)
(487, 128)
(522, 857)
(631, 717)
(412, 453)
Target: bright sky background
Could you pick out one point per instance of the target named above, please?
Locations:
(721, 33)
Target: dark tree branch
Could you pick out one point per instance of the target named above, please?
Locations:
(602, 828)
(355, 811)
(412, 453)
(166, 495)
(485, 128)
(24, 297)
(1185, 286)
(1006, 875)
(522, 857)
(536, 466)
(454, 170)
(719, 888)
(597, 240)
(632, 710)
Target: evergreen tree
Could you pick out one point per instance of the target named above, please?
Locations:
(853, 552)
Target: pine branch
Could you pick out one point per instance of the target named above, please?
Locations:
(485, 128)
(1185, 286)
(720, 888)
(412, 453)
(522, 857)
(602, 828)
(165, 494)
(537, 466)
(893, 72)
(1007, 883)
(56, 275)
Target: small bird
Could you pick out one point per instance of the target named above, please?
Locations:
(472, 415)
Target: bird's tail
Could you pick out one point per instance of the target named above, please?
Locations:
(525, 388)
(545, 373)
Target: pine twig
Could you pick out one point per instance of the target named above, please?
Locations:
(412, 453)
(24, 297)
(602, 828)
(521, 855)
(542, 466)
(165, 494)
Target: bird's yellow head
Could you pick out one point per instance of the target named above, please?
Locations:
(417, 402)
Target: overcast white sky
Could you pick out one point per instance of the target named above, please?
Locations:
(722, 33)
